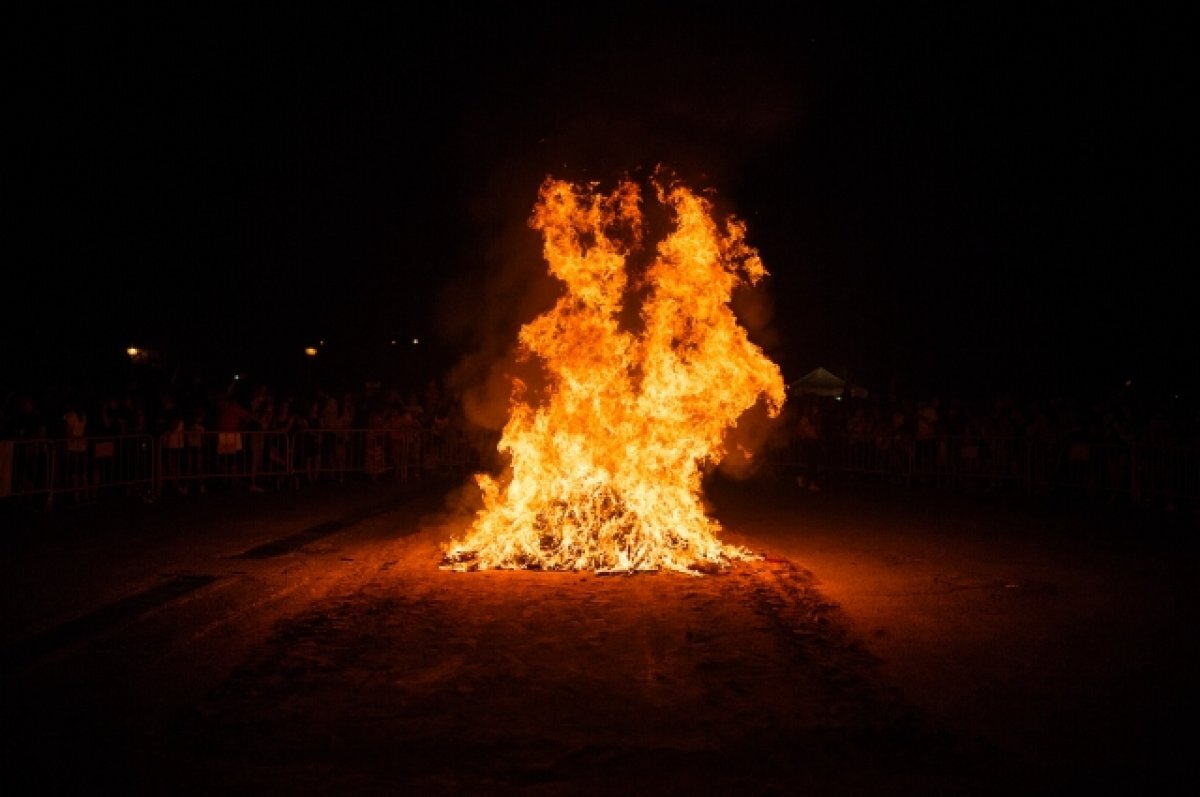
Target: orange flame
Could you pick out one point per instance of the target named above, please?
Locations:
(605, 473)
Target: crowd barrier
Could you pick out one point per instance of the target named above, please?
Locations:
(79, 467)
(1143, 474)
(184, 461)
(180, 462)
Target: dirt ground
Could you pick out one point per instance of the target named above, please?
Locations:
(889, 641)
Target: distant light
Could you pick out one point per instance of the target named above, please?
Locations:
(237, 376)
(1128, 383)
(133, 351)
(393, 343)
(321, 343)
(415, 341)
(311, 351)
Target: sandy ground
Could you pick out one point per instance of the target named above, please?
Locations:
(890, 641)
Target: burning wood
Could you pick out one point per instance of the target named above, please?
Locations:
(605, 467)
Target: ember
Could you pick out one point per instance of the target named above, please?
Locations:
(605, 467)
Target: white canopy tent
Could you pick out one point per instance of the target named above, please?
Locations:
(818, 382)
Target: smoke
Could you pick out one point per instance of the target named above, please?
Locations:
(481, 311)
(747, 441)
(697, 98)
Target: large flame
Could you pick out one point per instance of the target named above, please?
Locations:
(605, 472)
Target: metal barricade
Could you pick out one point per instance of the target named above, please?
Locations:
(879, 455)
(1095, 469)
(937, 459)
(122, 464)
(1163, 476)
(403, 454)
(999, 462)
(27, 469)
(198, 461)
(969, 460)
(328, 453)
(322, 454)
(183, 461)
(77, 468)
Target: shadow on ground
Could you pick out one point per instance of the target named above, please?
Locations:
(346, 662)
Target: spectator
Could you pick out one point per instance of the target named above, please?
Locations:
(27, 423)
(333, 455)
(307, 434)
(376, 445)
(262, 411)
(344, 451)
(808, 442)
(405, 434)
(926, 440)
(30, 459)
(232, 420)
(169, 432)
(197, 446)
(104, 444)
(281, 425)
(902, 442)
(1042, 441)
(75, 445)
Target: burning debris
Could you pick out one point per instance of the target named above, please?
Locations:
(605, 465)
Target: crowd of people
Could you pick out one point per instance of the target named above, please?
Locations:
(1034, 444)
(1114, 419)
(1006, 439)
(73, 412)
(245, 427)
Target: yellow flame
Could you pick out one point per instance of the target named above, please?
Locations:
(605, 471)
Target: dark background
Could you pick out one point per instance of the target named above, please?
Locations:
(957, 200)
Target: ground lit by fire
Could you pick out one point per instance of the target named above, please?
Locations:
(605, 463)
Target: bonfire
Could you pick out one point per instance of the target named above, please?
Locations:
(605, 465)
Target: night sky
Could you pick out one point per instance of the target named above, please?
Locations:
(959, 200)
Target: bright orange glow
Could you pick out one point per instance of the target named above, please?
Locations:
(133, 351)
(604, 471)
(311, 351)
